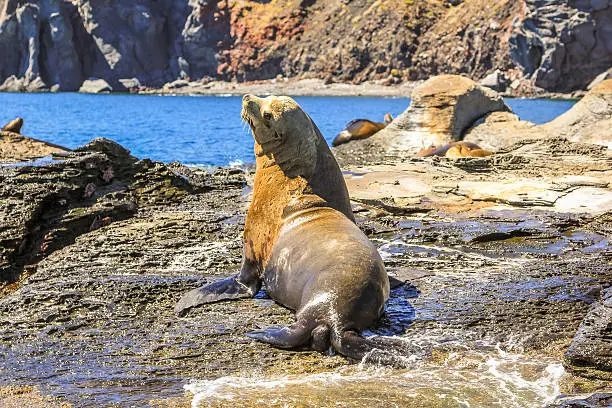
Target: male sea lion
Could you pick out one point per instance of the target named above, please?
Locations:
(292, 158)
(13, 126)
(360, 129)
(456, 149)
(301, 239)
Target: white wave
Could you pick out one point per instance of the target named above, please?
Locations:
(471, 378)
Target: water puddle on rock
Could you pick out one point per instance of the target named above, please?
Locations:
(43, 161)
(475, 378)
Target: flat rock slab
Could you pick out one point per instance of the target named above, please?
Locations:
(545, 174)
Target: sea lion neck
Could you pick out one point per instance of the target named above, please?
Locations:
(286, 155)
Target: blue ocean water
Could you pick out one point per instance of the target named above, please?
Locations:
(200, 130)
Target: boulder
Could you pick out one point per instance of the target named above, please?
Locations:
(441, 110)
(595, 400)
(13, 84)
(590, 120)
(498, 81)
(590, 353)
(130, 83)
(95, 86)
(500, 129)
(179, 83)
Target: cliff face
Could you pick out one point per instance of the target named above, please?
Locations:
(560, 44)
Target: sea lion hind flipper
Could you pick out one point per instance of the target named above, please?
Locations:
(283, 336)
(226, 289)
(352, 345)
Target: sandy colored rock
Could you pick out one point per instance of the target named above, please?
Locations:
(440, 111)
(95, 86)
(590, 120)
(15, 147)
(26, 396)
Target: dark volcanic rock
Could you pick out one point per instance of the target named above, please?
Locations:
(591, 350)
(597, 400)
(45, 206)
(562, 44)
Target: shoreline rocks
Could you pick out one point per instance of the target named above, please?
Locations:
(102, 267)
(441, 109)
(589, 354)
(95, 86)
(462, 110)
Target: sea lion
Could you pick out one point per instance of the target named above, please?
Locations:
(301, 239)
(13, 126)
(291, 158)
(326, 269)
(455, 150)
(360, 129)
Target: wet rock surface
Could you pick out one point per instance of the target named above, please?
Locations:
(590, 353)
(511, 250)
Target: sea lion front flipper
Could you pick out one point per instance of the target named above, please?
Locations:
(225, 289)
(284, 337)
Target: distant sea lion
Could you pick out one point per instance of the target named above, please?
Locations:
(301, 239)
(13, 126)
(360, 129)
(456, 149)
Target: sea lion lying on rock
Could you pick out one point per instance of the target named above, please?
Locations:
(359, 129)
(13, 126)
(300, 238)
(455, 150)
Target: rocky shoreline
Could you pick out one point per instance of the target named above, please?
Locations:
(510, 251)
(319, 87)
(295, 87)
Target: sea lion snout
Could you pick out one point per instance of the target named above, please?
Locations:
(251, 108)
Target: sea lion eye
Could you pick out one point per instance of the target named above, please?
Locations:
(267, 115)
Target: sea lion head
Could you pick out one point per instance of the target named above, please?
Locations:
(283, 132)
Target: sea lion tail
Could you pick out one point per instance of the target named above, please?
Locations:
(352, 345)
(342, 137)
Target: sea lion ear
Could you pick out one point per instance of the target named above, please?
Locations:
(267, 115)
